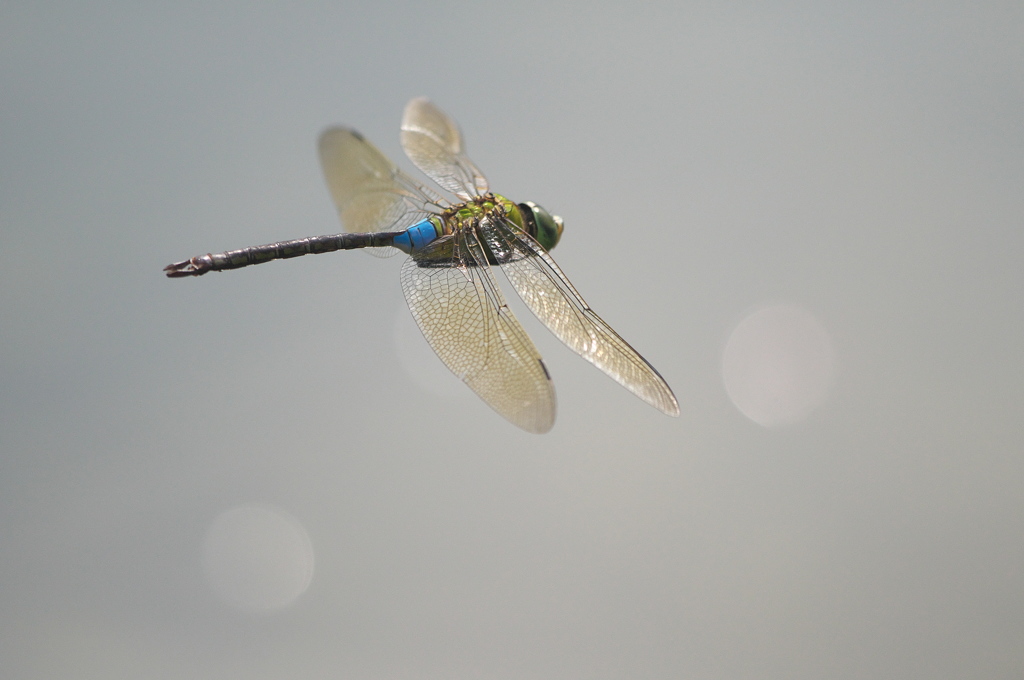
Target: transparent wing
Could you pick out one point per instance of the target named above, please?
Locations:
(432, 141)
(548, 293)
(370, 192)
(456, 303)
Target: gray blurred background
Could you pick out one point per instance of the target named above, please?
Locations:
(862, 162)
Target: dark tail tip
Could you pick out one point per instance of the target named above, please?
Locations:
(196, 266)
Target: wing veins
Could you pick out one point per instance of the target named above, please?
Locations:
(554, 300)
(457, 304)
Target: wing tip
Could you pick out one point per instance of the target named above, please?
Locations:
(665, 401)
(540, 429)
(412, 105)
(333, 131)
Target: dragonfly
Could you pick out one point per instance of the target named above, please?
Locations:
(454, 248)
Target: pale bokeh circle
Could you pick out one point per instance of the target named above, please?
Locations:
(778, 365)
(257, 558)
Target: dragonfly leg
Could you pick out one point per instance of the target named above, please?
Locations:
(195, 266)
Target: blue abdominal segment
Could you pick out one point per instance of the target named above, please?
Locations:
(416, 237)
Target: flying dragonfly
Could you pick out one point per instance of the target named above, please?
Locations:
(448, 278)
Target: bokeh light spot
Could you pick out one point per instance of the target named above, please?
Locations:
(257, 558)
(778, 365)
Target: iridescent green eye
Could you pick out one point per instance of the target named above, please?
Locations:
(541, 224)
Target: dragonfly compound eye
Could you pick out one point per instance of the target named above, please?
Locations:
(542, 225)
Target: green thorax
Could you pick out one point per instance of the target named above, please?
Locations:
(528, 217)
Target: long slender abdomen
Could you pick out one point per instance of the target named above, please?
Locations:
(313, 245)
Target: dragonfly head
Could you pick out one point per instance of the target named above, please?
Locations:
(541, 224)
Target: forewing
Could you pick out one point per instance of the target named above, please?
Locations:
(456, 303)
(432, 141)
(370, 192)
(554, 300)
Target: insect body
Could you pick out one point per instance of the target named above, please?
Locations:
(448, 279)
